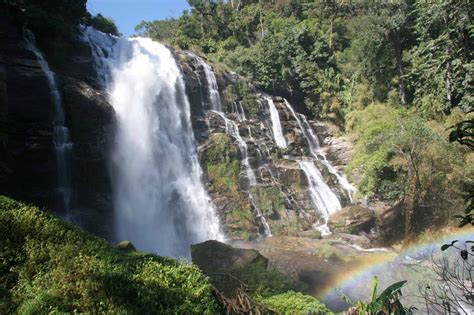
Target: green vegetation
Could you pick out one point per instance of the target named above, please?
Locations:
(48, 266)
(241, 92)
(54, 22)
(269, 200)
(103, 24)
(392, 74)
(295, 303)
(330, 54)
(388, 302)
(221, 158)
(402, 157)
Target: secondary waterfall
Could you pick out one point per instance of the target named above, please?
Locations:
(322, 197)
(61, 140)
(213, 89)
(232, 129)
(160, 202)
(276, 124)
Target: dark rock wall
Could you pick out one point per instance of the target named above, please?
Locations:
(27, 157)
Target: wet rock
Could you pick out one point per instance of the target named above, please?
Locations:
(126, 246)
(27, 110)
(90, 119)
(215, 257)
(353, 219)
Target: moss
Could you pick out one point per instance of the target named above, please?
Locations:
(243, 93)
(49, 266)
(222, 162)
(269, 200)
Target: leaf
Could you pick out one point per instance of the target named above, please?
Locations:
(391, 292)
(445, 247)
(374, 289)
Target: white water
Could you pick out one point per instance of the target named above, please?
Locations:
(276, 124)
(322, 197)
(232, 129)
(160, 202)
(213, 89)
(316, 151)
(62, 143)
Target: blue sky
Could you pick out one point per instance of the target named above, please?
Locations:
(128, 13)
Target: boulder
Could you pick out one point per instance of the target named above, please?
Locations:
(390, 224)
(126, 246)
(216, 257)
(353, 219)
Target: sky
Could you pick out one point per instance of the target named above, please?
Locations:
(128, 13)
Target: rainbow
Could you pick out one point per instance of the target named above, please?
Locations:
(374, 263)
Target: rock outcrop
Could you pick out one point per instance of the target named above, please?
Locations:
(28, 166)
(353, 219)
(28, 158)
(216, 257)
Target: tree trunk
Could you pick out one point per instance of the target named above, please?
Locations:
(410, 205)
(261, 19)
(449, 80)
(330, 34)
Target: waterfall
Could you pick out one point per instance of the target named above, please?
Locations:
(233, 130)
(213, 89)
(315, 150)
(322, 196)
(61, 140)
(266, 226)
(317, 153)
(160, 203)
(276, 124)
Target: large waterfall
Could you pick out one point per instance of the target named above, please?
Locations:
(62, 144)
(160, 203)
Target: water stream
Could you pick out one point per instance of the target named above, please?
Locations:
(160, 202)
(62, 144)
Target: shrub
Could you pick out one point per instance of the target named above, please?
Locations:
(295, 303)
(49, 266)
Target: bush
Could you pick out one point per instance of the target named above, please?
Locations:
(47, 265)
(295, 303)
(103, 24)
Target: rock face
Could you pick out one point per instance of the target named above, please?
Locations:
(216, 257)
(281, 196)
(353, 220)
(279, 201)
(390, 224)
(28, 166)
(28, 158)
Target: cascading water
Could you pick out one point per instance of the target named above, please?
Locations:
(233, 130)
(213, 88)
(276, 124)
(322, 197)
(315, 148)
(62, 144)
(160, 202)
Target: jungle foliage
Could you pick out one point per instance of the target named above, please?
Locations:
(394, 75)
